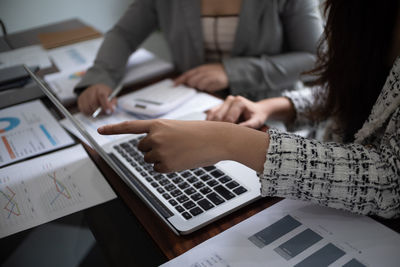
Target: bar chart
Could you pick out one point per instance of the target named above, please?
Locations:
(299, 243)
(296, 233)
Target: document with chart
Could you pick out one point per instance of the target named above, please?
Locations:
(295, 233)
(28, 130)
(141, 65)
(45, 188)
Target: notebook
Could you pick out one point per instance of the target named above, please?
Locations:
(184, 201)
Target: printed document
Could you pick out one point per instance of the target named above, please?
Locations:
(295, 233)
(199, 103)
(28, 130)
(141, 65)
(91, 125)
(45, 188)
(76, 55)
(32, 56)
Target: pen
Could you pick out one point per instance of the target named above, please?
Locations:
(111, 96)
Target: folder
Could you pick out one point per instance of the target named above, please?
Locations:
(55, 39)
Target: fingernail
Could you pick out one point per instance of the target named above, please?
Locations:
(100, 129)
(108, 111)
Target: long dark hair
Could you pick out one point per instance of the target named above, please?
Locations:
(353, 60)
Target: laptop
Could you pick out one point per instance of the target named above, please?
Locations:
(185, 201)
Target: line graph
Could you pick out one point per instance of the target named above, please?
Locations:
(16, 205)
(60, 188)
(48, 187)
(11, 206)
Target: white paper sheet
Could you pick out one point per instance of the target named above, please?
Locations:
(77, 55)
(27, 130)
(45, 188)
(91, 126)
(141, 65)
(63, 83)
(33, 55)
(198, 104)
(138, 69)
(295, 233)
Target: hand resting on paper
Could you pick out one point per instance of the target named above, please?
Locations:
(94, 97)
(237, 109)
(207, 77)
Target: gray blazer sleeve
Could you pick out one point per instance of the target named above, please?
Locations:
(302, 27)
(138, 22)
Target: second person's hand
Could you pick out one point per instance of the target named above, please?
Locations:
(237, 109)
(94, 97)
(207, 77)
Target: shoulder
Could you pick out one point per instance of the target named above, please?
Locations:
(385, 106)
(288, 6)
(390, 94)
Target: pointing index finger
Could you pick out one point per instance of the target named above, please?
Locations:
(127, 127)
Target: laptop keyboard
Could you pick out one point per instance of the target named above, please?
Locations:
(190, 192)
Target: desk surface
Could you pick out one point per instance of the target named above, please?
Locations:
(169, 243)
(126, 231)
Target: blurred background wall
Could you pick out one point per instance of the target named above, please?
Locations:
(18, 15)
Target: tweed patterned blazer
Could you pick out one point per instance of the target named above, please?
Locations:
(362, 177)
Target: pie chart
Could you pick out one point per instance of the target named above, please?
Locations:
(8, 123)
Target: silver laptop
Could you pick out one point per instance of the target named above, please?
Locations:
(185, 201)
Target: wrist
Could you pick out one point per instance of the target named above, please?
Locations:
(247, 146)
(268, 107)
(279, 108)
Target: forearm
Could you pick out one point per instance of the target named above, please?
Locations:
(133, 27)
(266, 75)
(109, 66)
(350, 177)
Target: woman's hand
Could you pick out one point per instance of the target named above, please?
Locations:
(178, 145)
(237, 109)
(208, 77)
(95, 96)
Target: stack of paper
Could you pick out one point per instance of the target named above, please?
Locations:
(49, 187)
(32, 56)
(74, 60)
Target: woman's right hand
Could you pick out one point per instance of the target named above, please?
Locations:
(94, 97)
(237, 109)
(179, 145)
